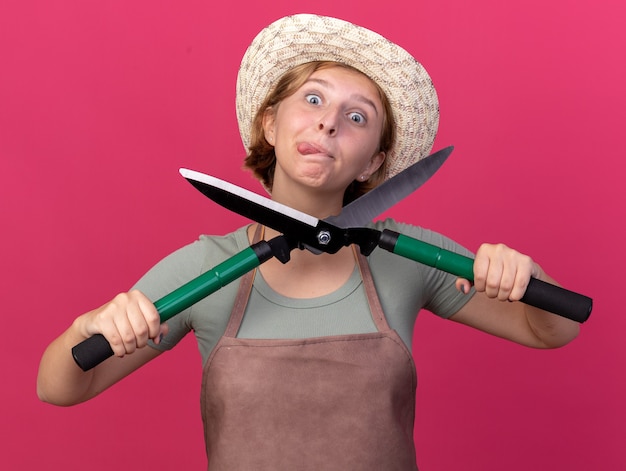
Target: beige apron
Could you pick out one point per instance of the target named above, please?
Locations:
(342, 402)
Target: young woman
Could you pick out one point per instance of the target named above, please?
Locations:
(307, 365)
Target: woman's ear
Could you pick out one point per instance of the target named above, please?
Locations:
(268, 125)
(375, 163)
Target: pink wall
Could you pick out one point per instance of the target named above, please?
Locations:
(101, 102)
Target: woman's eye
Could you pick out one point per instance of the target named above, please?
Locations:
(313, 99)
(357, 117)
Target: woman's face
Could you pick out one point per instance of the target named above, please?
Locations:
(327, 134)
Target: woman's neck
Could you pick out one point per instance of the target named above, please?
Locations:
(309, 200)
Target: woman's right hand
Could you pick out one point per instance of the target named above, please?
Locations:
(128, 321)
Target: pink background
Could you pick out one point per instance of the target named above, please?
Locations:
(102, 102)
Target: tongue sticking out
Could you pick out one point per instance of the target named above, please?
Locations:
(308, 149)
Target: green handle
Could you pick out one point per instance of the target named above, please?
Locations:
(94, 350)
(539, 294)
(207, 283)
(434, 256)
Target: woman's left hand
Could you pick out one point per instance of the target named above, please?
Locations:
(501, 273)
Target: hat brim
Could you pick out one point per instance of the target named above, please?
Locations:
(298, 39)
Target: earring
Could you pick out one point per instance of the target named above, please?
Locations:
(362, 178)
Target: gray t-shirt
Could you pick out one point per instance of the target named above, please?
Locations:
(403, 286)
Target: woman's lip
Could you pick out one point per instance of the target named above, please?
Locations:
(306, 148)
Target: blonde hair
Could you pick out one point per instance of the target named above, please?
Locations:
(261, 159)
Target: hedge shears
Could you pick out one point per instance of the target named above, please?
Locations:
(299, 230)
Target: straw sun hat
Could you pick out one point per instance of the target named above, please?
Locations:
(294, 40)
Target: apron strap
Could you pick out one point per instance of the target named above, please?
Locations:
(243, 293)
(370, 290)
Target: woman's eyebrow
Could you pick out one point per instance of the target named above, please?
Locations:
(355, 96)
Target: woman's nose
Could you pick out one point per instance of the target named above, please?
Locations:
(328, 122)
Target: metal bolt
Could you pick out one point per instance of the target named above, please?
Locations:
(323, 237)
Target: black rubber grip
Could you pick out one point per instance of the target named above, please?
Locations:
(91, 352)
(557, 300)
